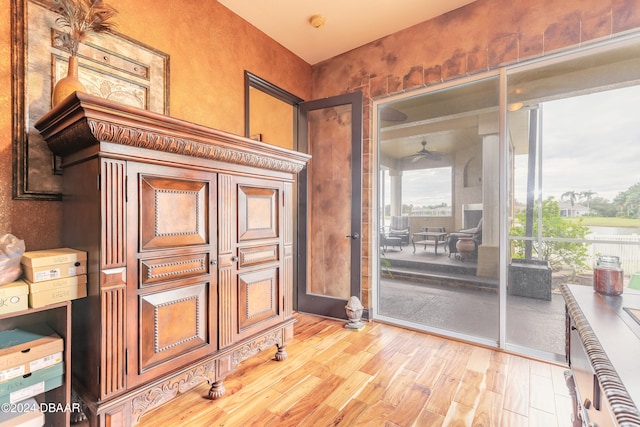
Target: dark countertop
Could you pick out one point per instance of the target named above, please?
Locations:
(611, 337)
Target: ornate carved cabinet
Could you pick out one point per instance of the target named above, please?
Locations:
(190, 242)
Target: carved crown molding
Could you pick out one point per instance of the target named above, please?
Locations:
(84, 120)
(120, 134)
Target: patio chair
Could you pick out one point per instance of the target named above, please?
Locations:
(386, 240)
(400, 228)
(474, 233)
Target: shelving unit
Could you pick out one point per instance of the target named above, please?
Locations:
(58, 317)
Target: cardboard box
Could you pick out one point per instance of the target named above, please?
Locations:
(52, 264)
(34, 365)
(41, 274)
(65, 282)
(14, 297)
(29, 385)
(53, 291)
(52, 257)
(23, 350)
(26, 414)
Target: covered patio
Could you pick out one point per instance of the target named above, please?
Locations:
(443, 292)
(441, 166)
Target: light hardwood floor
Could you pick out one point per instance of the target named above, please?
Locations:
(380, 376)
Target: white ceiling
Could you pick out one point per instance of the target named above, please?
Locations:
(349, 23)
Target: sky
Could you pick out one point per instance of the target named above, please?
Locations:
(590, 143)
(427, 187)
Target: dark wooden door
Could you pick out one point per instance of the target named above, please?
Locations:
(330, 205)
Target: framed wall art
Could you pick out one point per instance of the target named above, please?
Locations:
(111, 66)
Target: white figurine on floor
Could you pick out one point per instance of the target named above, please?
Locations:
(354, 313)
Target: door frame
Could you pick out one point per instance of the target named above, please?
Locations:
(325, 306)
(253, 81)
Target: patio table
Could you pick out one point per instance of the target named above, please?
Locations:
(427, 238)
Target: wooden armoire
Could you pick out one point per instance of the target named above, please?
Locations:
(189, 233)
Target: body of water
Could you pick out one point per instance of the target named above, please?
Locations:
(615, 230)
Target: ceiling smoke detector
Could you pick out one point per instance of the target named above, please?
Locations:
(317, 21)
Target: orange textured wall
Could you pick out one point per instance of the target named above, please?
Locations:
(271, 118)
(209, 49)
(480, 36)
(483, 35)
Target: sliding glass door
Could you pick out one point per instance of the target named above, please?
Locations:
(499, 203)
(438, 156)
(574, 144)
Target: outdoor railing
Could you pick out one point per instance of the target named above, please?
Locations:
(624, 246)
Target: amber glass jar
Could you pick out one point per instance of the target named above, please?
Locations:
(607, 275)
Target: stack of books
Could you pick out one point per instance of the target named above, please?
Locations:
(55, 275)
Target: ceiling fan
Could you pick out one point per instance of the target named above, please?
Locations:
(424, 154)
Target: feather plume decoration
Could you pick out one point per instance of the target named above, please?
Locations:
(83, 17)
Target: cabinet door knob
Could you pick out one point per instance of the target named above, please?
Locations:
(234, 258)
(214, 261)
(587, 403)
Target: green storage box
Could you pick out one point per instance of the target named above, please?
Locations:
(32, 384)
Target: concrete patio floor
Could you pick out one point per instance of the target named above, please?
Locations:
(531, 323)
(439, 292)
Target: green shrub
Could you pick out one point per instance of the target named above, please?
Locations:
(553, 226)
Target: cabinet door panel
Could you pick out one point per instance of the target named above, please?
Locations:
(172, 323)
(257, 212)
(174, 212)
(153, 271)
(258, 296)
(257, 255)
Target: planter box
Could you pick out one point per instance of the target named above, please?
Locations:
(530, 278)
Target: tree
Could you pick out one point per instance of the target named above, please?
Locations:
(602, 207)
(572, 196)
(628, 202)
(553, 226)
(407, 209)
(587, 196)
